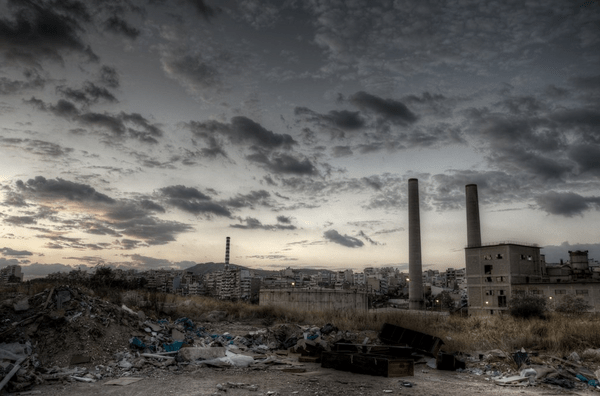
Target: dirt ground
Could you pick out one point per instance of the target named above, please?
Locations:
(193, 381)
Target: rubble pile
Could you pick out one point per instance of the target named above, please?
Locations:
(64, 334)
(523, 368)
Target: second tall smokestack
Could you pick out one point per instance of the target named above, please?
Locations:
(473, 225)
(415, 271)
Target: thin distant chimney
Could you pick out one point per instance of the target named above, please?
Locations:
(415, 271)
(473, 225)
(227, 254)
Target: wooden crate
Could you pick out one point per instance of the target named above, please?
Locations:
(366, 363)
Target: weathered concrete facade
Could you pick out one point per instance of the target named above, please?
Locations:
(315, 299)
(493, 270)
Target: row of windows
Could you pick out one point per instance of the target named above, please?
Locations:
(498, 256)
(491, 292)
(583, 292)
(489, 279)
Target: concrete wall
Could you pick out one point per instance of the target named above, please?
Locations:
(314, 299)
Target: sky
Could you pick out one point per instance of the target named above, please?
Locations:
(141, 133)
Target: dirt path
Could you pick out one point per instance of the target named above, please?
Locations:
(315, 381)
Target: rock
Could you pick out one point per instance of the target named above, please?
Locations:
(21, 305)
(124, 364)
(189, 354)
(141, 315)
(591, 354)
(574, 357)
(177, 335)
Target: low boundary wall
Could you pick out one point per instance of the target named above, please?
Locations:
(315, 299)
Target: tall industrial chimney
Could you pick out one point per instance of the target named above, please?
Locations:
(473, 226)
(415, 286)
(227, 254)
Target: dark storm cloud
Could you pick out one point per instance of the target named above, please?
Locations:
(372, 181)
(556, 92)
(242, 131)
(284, 164)
(203, 9)
(371, 241)
(284, 219)
(255, 224)
(121, 125)
(191, 200)
(152, 206)
(566, 204)
(586, 83)
(152, 230)
(38, 147)
(32, 81)
(52, 189)
(20, 220)
(344, 240)
(447, 191)
(389, 109)
(38, 30)
(6, 262)
(260, 197)
(183, 192)
(341, 151)
(523, 105)
(344, 119)
(199, 207)
(191, 70)
(109, 76)
(90, 93)
(118, 25)
(6, 251)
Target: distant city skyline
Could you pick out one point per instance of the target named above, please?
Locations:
(141, 133)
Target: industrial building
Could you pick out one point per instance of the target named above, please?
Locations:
(497, 271)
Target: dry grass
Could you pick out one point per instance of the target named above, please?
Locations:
(558, 333)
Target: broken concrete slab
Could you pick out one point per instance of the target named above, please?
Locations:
(189, 354)
(21, 305)
(515, 380)
(177, 335)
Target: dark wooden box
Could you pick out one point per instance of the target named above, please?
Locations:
(367, 363)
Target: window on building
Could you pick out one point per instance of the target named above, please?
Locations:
(488, 269)
(489, 293)
(560, 291)
(499, 256)
(491, 311)
(582, 292)
(523, 257)
(500, 292)
(529, 258)
(488, 279)
(536, 292)
(502, 301)
(487, 257)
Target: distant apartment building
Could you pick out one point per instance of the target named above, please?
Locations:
(11, 272)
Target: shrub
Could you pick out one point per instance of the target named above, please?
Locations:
(571, 305)
(527, 306)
